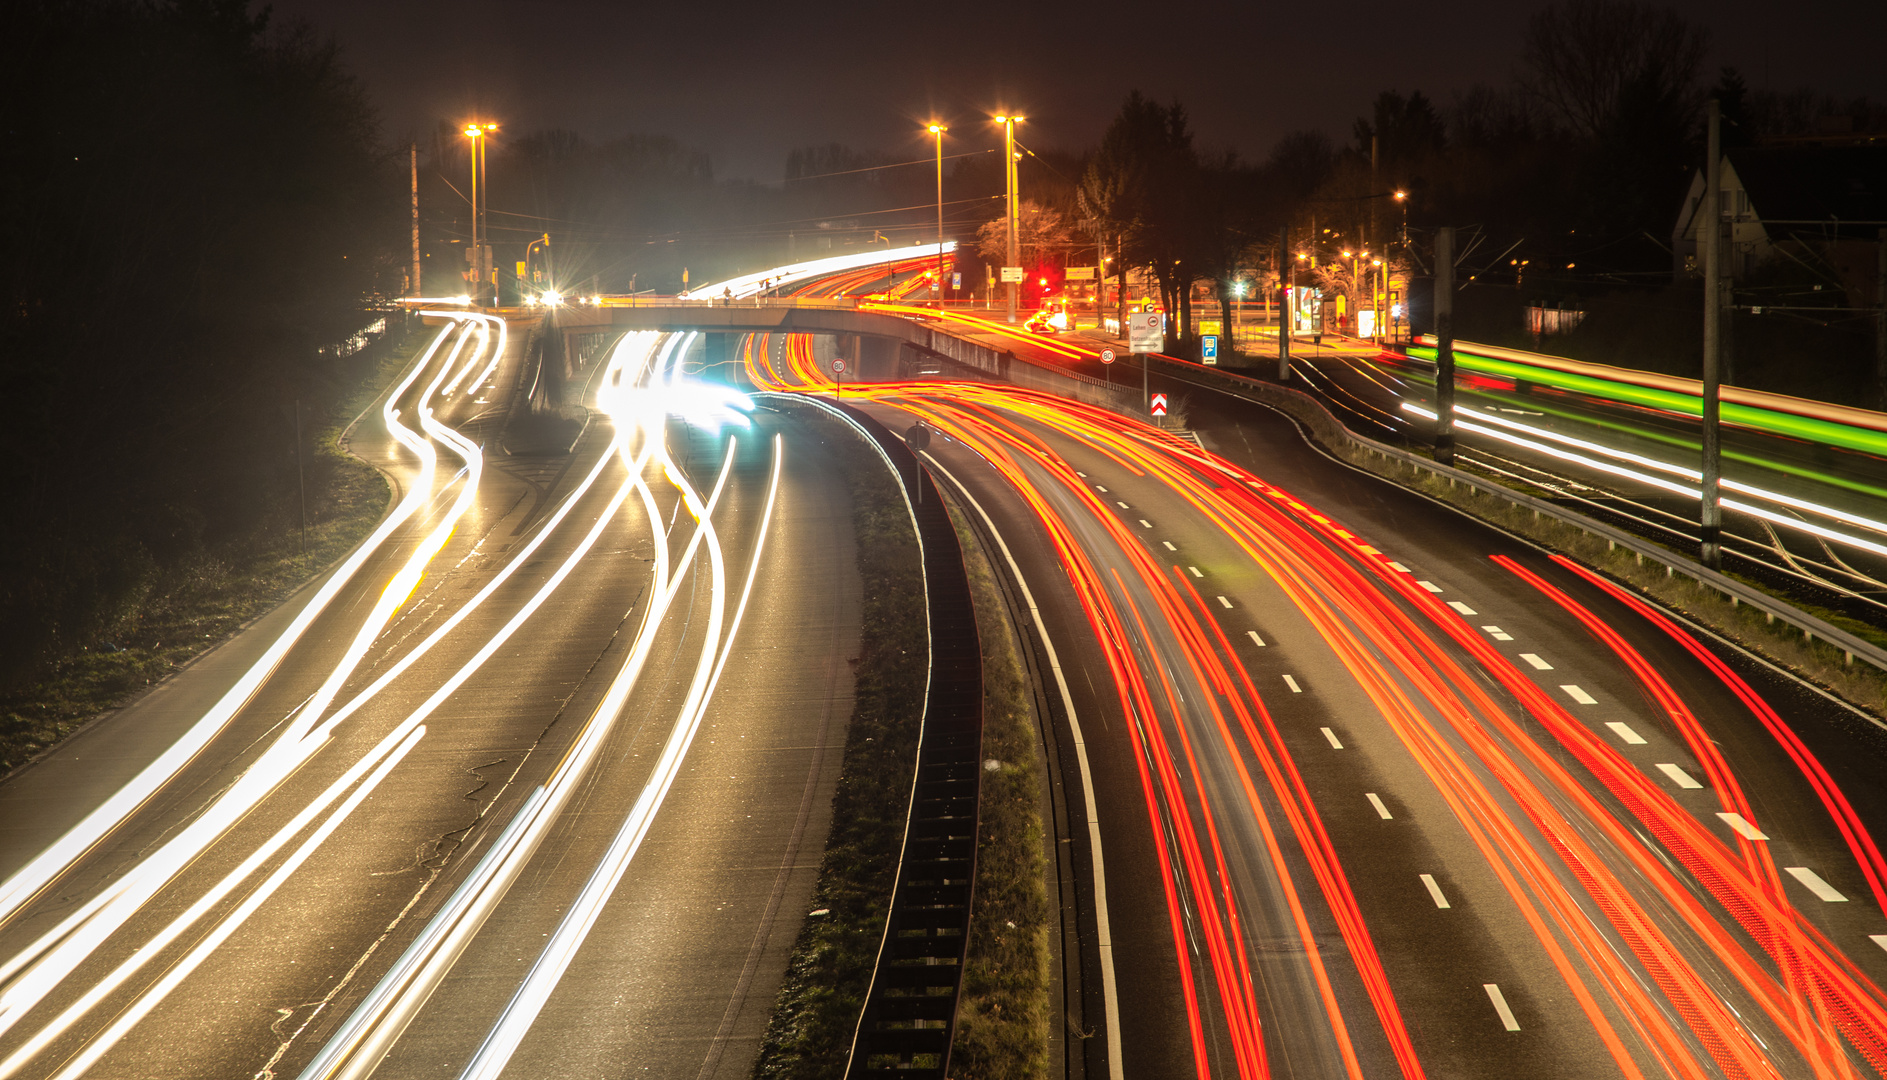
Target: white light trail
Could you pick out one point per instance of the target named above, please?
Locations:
(130, 1017)
(53, 958)
(35, 875)
(555, 959)
(1751, 509)
(635, 349)
(748, 285)
(377, 1023)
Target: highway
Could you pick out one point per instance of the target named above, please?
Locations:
(1358, 786)
(1381, 791)
(392, 825)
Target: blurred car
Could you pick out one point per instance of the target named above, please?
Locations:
(1050, 320)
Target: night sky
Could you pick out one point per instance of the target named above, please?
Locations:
(748, 82)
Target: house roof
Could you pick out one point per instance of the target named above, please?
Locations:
(1814, 183)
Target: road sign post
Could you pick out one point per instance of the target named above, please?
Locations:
(1159, 406)
(1146, 333)
(1107, 365)
(1209, 348)
(838, 369)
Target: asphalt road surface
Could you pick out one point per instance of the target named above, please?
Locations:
(165, 947)
(1474, 813)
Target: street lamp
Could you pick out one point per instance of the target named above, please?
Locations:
(1009, 180)
(937, 130)
(1402, 200)
(477, 133)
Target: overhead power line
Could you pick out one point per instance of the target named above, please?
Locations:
(894, 165)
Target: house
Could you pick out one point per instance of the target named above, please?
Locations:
(1822, 204)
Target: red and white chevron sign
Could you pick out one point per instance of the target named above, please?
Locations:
(1159, 404)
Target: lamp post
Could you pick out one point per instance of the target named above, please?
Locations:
(938, 130)
(1378, 299)
(480, 272)
(1009, 181)
(1356, 287)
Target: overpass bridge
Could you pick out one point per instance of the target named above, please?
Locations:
(877, 342)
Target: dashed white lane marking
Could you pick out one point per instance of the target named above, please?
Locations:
(1579, 695)
(1497, 633)
(1120, 504)
(1434, 890)
(1429, 585)
(1081, 474)
(1878, 939)
(1383, 812)
(1815, 884)
(1678, 776)
(1292, 683)
(1335, 743)
(1624, 731)
(1534, 659)
(1195, 571)
(1747, 831)
(1255, 639)
(1223, 602)
(1462, 608)
(1098, 487)
(1500, 1006)
(1399, 568)
(1169, 545)
(1144, 523)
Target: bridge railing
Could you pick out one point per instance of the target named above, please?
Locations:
(843, 303)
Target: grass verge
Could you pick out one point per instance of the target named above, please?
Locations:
(179, 614)
(1859, 684)
(1003, 1011)
(817, 1010)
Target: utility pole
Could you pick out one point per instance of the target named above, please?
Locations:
(478, 251)
(416, 290)
(1375, 185)
(938, 130)
(1880, 302)
(1120, 281)
(301, 481)
(1287, 308)
(1710, 232)
(484, 232)
(1012, 217)
(1445, 345)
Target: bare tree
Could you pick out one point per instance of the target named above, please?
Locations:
(1040, 231)
(1587, 61)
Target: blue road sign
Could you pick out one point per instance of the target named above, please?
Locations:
(1211, 347)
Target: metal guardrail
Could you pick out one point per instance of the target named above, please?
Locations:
(1811, 627)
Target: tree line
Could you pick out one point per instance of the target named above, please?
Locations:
(1567, 179)
(196, 206)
